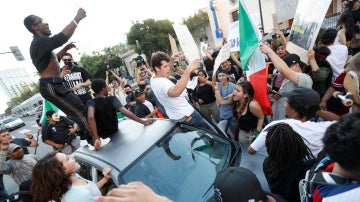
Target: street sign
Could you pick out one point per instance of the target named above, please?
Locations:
(17, 53)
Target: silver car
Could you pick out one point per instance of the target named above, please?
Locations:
(176, 160)
(13, 123)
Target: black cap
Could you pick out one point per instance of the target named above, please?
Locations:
(234, 184)
(138, 92)
(305, 97)
(291, 59)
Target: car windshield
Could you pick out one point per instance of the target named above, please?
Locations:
(187, 159)
(9, 120)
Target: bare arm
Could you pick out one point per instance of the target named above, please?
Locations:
(132, 116)
(105, 179)
(255, 109)
(180, 86)
(328, 94)
(219, 99)
(93, 128)
(62, 52)
(279, 64)
(33, 142)
(70, 28)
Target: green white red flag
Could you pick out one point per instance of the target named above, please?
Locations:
(252, 59)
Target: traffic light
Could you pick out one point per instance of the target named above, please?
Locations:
(18, 55)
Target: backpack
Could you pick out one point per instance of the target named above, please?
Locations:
(315, 176)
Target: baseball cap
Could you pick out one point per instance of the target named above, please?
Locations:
(237, 184)
(291, 59)
(306, 97)
(12, 148)
(138, 92)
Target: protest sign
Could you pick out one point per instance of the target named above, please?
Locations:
(306, 25)
(187, 43)
(223, 55)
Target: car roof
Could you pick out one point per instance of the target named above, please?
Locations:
(128, 143)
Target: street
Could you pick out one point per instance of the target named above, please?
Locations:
(42, 149)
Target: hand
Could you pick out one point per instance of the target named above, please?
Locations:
(77, 87)
(65, 70)
(81, 14)
(97, 144)
(72, 131)
(277, 31)
(156, 110)
(28, 135)
(106, 172)
(322, 105)
(200, 101)
(59, 146)
(195, 64)
(4, 145)
(265, 48)
(134, 191)
(149, 121)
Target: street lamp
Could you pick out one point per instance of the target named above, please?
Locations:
(17, 53)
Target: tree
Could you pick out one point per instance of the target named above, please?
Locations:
(151, 36)
(197, 25)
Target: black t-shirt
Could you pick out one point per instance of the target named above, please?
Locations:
(78, 75)
(58, 132)
(106, 109)
(41, 49)
(205, 93)
(141, 110)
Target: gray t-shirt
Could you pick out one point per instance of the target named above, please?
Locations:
(304, 81)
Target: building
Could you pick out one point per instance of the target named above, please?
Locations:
(14, 81)
(223, 12)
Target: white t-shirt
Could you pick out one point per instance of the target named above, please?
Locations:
(337, 59)
(175, 107)
(150, 107)
(312, 132)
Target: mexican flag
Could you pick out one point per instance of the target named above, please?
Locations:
(252, 59)
(47, 105)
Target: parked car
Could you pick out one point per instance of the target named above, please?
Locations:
(176, 160)
(13, 123)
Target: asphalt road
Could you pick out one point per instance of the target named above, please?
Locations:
(42, 149)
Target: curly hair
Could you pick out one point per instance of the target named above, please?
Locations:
(157, 58)
(342, 142)
(49, 180)
(285, 148)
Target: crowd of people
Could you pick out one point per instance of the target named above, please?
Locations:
(307, 128)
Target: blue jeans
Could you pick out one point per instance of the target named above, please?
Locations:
(197, 120)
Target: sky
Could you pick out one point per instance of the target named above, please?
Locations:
(106, 24)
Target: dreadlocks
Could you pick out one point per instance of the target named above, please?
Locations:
(285, 148)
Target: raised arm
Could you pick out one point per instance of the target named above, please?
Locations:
(180, 85)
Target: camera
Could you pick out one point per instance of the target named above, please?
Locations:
(139, 61)
(176, 64)
(68, 63)
(110, 73)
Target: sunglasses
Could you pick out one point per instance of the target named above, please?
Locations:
(42, 21)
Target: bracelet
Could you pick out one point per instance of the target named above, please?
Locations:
(75, 22)
(31, 137)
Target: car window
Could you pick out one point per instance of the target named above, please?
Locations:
(187, 159)
(9, 120)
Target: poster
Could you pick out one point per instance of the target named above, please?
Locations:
(173, 46)
(187, 43)
(306, 25)
(285, 9)
(223, 55)
(233, 36)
